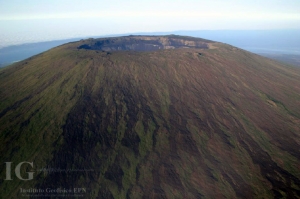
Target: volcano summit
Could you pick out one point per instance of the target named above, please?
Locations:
(150, 117)
(144, 43)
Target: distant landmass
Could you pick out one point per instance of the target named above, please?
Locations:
(282, 45)
(284, 58)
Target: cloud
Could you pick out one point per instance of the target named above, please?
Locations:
(161, 14)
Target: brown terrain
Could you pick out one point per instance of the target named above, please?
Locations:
(291, 59)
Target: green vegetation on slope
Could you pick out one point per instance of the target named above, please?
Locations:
(163, 124)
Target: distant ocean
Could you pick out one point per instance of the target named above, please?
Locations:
(8, 42)
(15, 53)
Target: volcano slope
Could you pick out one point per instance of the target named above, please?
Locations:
(150, 117)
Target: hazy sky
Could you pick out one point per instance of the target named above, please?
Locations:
(37, 20)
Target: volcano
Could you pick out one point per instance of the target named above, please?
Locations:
(149, 117)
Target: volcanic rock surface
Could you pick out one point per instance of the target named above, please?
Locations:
(144, 43)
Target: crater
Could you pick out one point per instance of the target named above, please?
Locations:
(144, 43)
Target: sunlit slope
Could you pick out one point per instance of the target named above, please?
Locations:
(215, 122)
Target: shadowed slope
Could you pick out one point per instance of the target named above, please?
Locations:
(180, 123)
